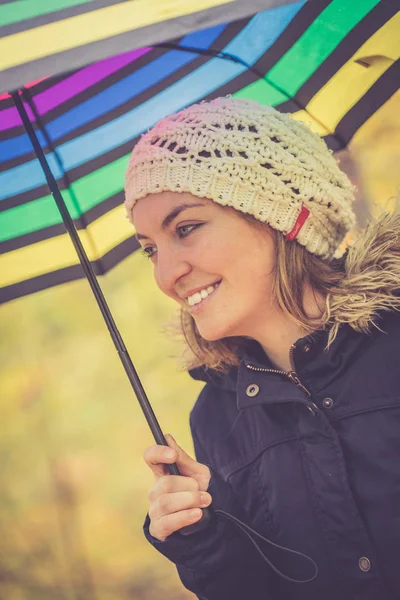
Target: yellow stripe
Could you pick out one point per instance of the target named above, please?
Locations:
(57, 253)
(364, 132)
(303, 115)
(353, 80)
(93, 26)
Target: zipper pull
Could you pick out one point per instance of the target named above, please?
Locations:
(295, 378)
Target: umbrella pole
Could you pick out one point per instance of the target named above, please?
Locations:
(93, 282)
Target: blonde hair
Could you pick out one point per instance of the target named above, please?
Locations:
(355, 287)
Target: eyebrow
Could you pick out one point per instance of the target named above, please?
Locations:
(170, 217)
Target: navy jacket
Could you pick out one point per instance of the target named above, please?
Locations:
(317, 472)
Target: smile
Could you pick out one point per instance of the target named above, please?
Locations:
(199, 300)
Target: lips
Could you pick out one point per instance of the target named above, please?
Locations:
(199, 306)
(198, 289)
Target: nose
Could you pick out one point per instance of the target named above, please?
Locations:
(170, 267)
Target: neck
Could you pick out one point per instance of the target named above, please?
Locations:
(282, 331)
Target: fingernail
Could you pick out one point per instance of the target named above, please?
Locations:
(205, 498)
(170, 453)
(196, 512)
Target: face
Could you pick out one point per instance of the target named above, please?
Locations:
(194, 244)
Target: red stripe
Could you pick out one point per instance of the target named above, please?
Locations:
(301, 219)
(27, 85)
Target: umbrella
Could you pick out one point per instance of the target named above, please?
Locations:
(327, 63)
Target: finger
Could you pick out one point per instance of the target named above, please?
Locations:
(164, 527)
(187, 465)
(157, 457)
(171, 503)
(172, 483)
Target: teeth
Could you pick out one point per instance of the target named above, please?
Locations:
(196, 298)
(199, 296)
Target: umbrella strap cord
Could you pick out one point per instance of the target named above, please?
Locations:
(251, 534)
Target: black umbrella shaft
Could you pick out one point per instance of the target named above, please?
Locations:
(94, 284)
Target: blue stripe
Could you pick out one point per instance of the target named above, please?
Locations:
(116, 94)
(19, 145)
(250, 44)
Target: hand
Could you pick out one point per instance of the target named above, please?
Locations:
(175, 500)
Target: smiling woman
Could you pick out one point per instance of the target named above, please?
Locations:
(243, 212)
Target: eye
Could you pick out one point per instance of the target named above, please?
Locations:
(183, 232)
(147, 252)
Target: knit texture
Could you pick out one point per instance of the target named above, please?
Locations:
(253, 158)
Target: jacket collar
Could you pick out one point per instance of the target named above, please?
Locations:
(272, 386)
(252, 352)
(316, 367)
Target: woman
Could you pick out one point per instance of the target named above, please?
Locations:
(243, 212)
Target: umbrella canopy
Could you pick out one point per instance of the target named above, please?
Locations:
(331, 63)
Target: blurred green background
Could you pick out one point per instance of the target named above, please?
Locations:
(73, 486)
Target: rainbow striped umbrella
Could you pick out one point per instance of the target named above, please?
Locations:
(329, 62)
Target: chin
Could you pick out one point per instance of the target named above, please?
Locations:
(211, 334)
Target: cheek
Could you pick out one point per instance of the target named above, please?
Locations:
(156, 279)
(210, 254)
(221, 253)
(256, 278)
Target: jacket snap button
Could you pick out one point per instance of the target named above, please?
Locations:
(327, 403)
(365, 564)
(252, 390)
(307, 348)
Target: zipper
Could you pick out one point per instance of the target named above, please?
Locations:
(292, 375)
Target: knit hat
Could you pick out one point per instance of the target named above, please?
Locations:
(253, 158)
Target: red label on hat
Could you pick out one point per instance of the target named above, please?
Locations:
(301, 219)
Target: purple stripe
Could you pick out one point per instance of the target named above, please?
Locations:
(67, 88)
(9, 117)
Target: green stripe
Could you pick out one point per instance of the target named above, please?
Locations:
(90, 191)
(318, 42)
(28, 9)
(264, 93)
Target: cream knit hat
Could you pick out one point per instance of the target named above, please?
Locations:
(249, 156)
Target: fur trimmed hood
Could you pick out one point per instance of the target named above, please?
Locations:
(372, 281)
